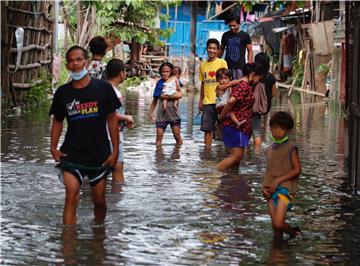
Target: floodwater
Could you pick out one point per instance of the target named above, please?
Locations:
(175, 208)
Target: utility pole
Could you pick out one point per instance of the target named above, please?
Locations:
(193, 13)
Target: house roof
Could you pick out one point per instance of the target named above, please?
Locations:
(261, 7)
(281, 29)
(299, 12)
(284, 16)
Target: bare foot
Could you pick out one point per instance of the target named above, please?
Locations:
(295, 232)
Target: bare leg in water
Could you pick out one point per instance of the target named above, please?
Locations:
(235, 157)
(278, 220)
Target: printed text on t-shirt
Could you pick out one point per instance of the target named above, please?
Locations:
(77, 110)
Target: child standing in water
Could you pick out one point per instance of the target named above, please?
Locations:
(170, 87)
(116, 74)
(223, 76)
(282, 173)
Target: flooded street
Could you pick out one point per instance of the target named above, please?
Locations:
(176, 208)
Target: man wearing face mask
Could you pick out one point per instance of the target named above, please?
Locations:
(88, 105)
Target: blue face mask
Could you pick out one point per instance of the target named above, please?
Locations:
(80, 75)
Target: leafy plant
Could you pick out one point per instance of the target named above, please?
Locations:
(247, 5)
(283, 4)
(64, 74)
(132, 81)
(38, 94)
(127, 20)
(323, 68)
(297, 72)
(275, 5)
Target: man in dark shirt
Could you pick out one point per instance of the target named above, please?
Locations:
(88, 106)
(236, 42)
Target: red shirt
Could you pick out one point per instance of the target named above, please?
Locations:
(243, 106)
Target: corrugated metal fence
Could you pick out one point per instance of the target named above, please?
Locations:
(179, 42)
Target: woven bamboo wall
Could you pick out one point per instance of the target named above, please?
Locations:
(36, 18)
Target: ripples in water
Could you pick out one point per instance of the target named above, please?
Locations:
(175, 208)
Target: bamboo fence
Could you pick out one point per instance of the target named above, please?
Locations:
(36, 18)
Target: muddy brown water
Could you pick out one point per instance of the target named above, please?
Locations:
(175, 208)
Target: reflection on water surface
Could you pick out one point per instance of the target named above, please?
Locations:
(175, 207)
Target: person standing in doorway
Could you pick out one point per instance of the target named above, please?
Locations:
(207, 100)
(89, 105)
(235, 42)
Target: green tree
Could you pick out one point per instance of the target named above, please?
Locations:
(248, 4)
(133, 21)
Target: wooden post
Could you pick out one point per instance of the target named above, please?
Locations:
(113, 47)
(84, 29)
(208, 6)
(93, 15)
(79, 21)
(317, 10)
(176, 15)
(65, 15)
(224, 10)
(280, 60)
(293, 85)
(300, 33)
(304, 81)
(135, 50)
(5, 51)
(56, 27)
(193, 20)
(190, 113)
(183, 57)
(121, 51)
(311, 66)
(167, 26)
(167, 15)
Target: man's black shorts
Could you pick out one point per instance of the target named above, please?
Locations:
(208, 118)
(94, 174)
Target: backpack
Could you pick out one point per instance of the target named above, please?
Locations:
(261, 102)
